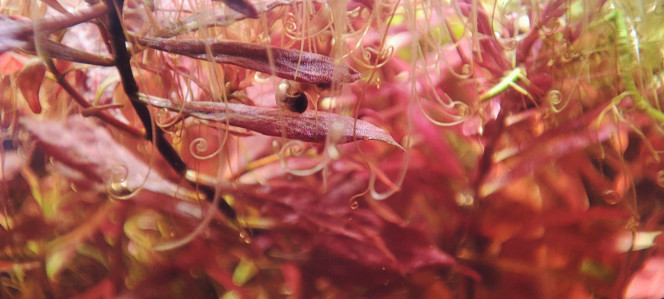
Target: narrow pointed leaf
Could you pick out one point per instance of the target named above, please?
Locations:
(13, 34)
(57, 50)
(310, 126)
(242, 6)
(288, 64)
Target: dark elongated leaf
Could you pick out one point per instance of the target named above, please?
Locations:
(57, 50)
(13, 34)
(242, 6)
(288, 64)
(309, 126)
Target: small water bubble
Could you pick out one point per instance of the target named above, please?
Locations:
(244, 236)
(611, 197)
(464, 199)
(119, 189)
(660, 178)
(354, 13)
(354, 204)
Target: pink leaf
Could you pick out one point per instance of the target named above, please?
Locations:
(649, 281)
(11, 165)
(9, 64)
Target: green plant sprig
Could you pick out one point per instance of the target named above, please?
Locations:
(626, 67)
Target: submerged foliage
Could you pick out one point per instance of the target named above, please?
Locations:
(465, 149)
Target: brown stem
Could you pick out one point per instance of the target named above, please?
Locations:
(59, 77)
(57, 50)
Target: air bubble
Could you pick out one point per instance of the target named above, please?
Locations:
(244, 236)
(464, 199)
(354, 13)
(117, 184)
(611, 197)
(354, 204)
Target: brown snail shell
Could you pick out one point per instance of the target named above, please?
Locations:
(289, 97)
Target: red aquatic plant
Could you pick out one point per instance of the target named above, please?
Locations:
(239, 148)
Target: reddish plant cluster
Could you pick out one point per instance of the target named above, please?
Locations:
(465, 149)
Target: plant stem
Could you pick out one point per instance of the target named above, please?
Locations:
(60, 78)
(122, 63)
(626, 66)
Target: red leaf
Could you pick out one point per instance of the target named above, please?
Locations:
(354, 247)
(293, 279)
(310, 126)
(546, 148)
(91, 150)
(29, 82)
